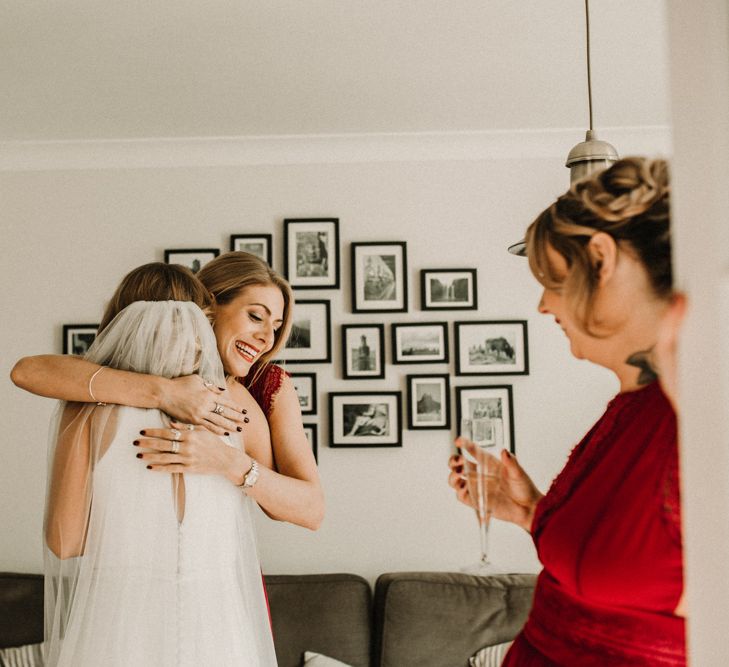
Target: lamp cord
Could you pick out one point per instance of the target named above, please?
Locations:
(589, 77)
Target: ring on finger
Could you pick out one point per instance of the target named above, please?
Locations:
(190, 427)
(175, 447)
(218, 409)
(176, 435)
(207, 384)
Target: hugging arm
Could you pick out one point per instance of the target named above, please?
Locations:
(67, 378)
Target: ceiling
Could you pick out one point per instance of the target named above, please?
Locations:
(93, 69)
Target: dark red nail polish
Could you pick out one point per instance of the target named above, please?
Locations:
(244, 411)
(458, 468)
(136, 443)
(142, 433)
(149, 467)
(139, 456)
(239, 428)
(246, 420)
(221, 388)
(226, 433)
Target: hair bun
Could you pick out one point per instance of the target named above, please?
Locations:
(625, 190)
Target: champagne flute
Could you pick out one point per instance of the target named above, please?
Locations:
(485, 433)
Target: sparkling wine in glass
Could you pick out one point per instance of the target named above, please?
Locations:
(481, 475)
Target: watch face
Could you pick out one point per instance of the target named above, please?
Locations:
(251, 476)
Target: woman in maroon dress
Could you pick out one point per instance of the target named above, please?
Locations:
(608, 532)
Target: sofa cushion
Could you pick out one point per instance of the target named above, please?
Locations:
(432, 619)
(323, 613)
(21, 609)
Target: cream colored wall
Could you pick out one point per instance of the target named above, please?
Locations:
(70, 234)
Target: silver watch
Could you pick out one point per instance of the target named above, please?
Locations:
(251, 477)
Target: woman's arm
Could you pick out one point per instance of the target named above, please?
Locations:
(187, 398)
(292, 492)
(69, 496)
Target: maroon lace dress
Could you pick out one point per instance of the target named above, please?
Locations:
(608, 534)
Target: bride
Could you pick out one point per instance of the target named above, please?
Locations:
(146, 569)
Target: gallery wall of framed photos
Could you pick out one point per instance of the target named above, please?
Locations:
(371, 416)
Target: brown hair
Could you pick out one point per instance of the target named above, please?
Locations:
(229, 274)
(630, 202)
(156, 282)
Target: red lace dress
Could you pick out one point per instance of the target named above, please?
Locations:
(608, 534)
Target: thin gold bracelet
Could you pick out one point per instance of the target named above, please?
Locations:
(91, 379)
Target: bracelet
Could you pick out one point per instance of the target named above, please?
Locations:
(91, 379)
(251, 477)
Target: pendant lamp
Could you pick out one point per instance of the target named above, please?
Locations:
(590, 155)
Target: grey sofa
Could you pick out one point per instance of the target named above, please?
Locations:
(423, 619)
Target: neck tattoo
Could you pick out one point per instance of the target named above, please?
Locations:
(642, 361)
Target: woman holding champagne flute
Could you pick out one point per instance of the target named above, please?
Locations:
(608, 532)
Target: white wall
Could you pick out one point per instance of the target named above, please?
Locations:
(68, 235)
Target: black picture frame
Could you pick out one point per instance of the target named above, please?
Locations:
(193, 258)
(307, 257)
(491, 347)
(448, 289)
(379, 414)
(305, 386)
(311, 431)
(465, 397)
(423, 333)
(310, 341)
(373, 366)
(379, 277)
(260, 245)
(421, 417)
(77, 338)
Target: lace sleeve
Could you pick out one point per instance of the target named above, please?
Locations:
(266, 386)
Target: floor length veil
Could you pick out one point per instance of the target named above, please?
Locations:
(146, 568)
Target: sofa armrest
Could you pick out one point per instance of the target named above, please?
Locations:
(21, 609)
(431, 619)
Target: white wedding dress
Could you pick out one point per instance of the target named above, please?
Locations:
(169, 573)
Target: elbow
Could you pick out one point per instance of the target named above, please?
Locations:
(19, 374)
(316, 514)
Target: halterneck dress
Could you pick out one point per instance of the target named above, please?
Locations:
(608, 534)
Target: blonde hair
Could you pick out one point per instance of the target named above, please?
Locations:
(629, 201)
(228, 275)
(156, 281)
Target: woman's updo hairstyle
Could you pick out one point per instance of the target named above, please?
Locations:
(630, 202)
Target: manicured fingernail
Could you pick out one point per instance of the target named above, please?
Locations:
(246, 420)
(244, 411)
(221, 388)
(136, 443)
(226, 433)
(149, 467)
(139, 456)
(239, 428)
(461, 482)
(458, 469)
(142, 433)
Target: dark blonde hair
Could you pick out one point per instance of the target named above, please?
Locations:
(630, 202)
(229, 274)
(156, 281)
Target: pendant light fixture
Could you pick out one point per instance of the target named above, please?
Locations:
(588, 156)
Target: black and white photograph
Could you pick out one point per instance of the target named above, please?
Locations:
(312, 436)
(260, 245)
(310, 338)
(492, 348)
(365, 419)
(77, 338)
(193, 259)
(305, 386)
(363, 351)
(379, 277)
(420, 343)
(311, 252)
(429, 405)
(448, 289)
(493, 403)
